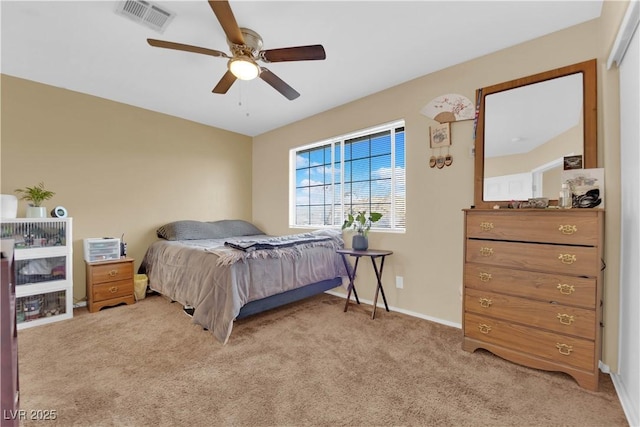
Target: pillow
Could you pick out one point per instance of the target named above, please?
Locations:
(236, 227)
(194, 230)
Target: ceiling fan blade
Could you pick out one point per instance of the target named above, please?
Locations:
(225, 83)
(186, 48)
(278, 84)
(298, 53)
(223, 12)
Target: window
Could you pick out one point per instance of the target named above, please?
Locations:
(362, 171)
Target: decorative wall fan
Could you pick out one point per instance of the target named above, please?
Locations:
(246, 50)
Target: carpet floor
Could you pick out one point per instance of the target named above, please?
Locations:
(305, 364)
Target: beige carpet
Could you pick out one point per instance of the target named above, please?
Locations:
(304, 364)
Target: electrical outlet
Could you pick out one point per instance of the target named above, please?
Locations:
(472, 151)
(399, 282)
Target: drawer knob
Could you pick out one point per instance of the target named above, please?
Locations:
(568, 229)
(486, 251)
(485, 277)
(113, 273)
(485, 302)
(564, 349)
(565, 319)
(567, 258)
(113, 289)
(484, 329)
(566, 289)
(486, 226)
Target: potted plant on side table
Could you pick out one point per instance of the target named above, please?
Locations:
(35, 195)
(361, 223)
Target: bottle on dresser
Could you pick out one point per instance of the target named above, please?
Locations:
(565, 199)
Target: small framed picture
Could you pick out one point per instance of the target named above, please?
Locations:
(572, 162)
(440, 135)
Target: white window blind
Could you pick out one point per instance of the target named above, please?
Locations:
(362, 171)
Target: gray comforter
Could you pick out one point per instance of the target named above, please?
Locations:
(218, 280)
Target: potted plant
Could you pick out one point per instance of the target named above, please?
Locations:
(35, 195)
(361, 223)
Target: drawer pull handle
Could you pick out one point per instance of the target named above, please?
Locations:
(486, 251)
(566, 289)
(486, 226)
(485, 277)
(567, 258)
(568, 229)
(564, 349)
(113, 289)
(485, 302)
(113, 273)
(565, 319)
(484, 329)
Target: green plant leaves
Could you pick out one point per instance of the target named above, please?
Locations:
(361, 223)
(36, 194)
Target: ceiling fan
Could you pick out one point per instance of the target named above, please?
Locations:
(246, 50)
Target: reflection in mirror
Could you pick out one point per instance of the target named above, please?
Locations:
(526, 127)
(520, 153)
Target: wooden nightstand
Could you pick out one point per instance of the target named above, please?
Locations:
(109, 283)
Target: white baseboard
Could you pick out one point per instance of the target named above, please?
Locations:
(80, 304)
(630, 408)
(401, 310)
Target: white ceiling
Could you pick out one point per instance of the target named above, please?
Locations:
(86, 47)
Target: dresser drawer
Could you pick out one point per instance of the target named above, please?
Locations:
(111, 272)
(568, 290)
(554, 317)
(576, 352)
(576, 260)
(569, 228)
(107, 291)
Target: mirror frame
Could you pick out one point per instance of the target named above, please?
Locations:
(590, 119)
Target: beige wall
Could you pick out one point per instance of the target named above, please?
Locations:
(119, 169)
(429, 254)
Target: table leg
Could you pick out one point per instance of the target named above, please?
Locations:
(351, 286)
(379, 286)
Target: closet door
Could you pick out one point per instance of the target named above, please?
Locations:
(627, 379)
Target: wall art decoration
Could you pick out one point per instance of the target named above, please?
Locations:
(448, 108)
(440, 135)
(587, 187)
(572, 162)
(440, 139)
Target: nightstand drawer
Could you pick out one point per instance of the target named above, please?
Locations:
(111, 272)
(109, 283)
(112, 290)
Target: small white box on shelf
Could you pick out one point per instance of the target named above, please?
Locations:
(101, 249)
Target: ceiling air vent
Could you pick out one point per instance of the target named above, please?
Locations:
(146, 13)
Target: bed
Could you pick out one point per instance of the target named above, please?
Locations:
(230, 269)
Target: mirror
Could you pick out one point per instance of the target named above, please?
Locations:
(525, 129)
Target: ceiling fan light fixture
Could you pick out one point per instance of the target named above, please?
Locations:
(244, 68)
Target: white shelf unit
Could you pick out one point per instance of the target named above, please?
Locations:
(43, 268)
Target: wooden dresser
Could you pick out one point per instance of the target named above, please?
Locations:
(9, 381)
(533, 288)
(109, 283)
